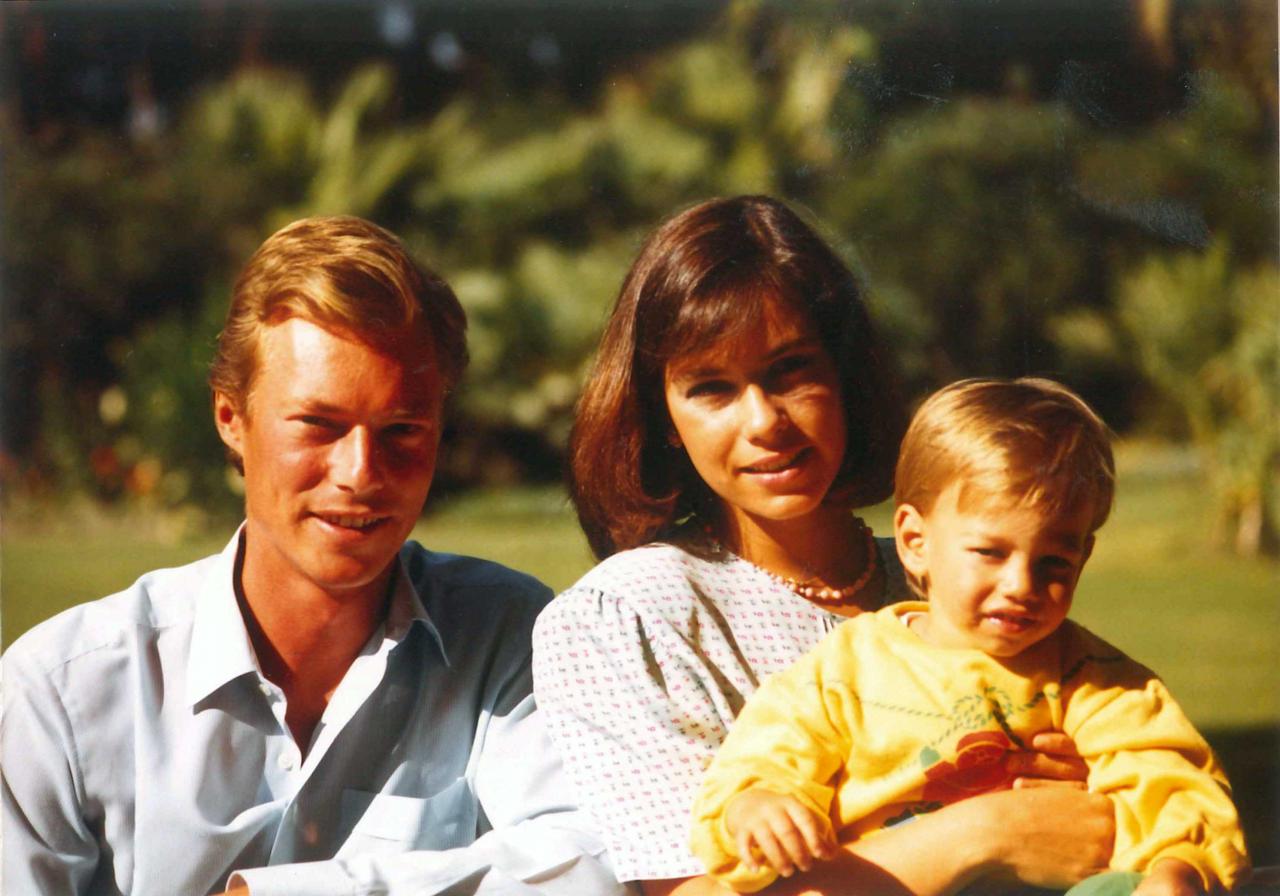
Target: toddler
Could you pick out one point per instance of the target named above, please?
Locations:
(1000, 487)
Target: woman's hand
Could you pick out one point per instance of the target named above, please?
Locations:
(1043, 836)
(1040, 836)
(1052, 761)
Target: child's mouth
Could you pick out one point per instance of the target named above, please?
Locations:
(1011, 622)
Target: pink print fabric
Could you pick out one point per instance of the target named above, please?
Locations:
(640, 669)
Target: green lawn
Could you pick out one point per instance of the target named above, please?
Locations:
(1208, 622)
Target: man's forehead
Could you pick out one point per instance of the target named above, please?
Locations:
(319, 365)
(412, 346)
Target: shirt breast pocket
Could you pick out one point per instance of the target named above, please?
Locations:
(385, 822)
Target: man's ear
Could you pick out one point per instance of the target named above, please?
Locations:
(909, 534)
(230, 422)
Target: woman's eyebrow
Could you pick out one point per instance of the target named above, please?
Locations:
(792, 345)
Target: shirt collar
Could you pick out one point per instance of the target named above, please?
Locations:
(406, 608)
(220, 648)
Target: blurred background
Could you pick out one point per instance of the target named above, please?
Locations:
(1085, 190)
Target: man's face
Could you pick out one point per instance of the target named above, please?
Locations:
(339, 446)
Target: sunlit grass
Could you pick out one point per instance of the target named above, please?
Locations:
(1206, 621)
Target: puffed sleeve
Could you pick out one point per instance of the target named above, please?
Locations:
(637, 711)
(1171, 796)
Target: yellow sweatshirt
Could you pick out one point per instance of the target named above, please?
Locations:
(874, 726)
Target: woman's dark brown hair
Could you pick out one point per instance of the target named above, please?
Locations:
(704, 274)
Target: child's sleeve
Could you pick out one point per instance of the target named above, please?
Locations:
(790, 738)
(1171, 797)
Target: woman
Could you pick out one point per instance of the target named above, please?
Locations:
(740, 406)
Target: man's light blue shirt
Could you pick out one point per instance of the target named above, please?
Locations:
(145, 753)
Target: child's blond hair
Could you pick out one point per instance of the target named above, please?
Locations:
(1030, 440)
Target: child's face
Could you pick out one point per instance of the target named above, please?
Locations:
(999, 577)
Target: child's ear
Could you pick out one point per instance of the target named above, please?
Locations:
(1085, 554)
(909, 535)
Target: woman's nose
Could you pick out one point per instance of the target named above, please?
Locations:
(762, 415)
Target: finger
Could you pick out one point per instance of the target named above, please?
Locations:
(1031, 783)
(1055, 742)
(1055, 767)
(792, 842)
(816, 831)
(743, 840)
(774, 854)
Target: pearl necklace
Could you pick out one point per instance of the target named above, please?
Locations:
(822, 593)
(826, 595)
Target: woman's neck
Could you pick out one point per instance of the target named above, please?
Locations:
(826, 547)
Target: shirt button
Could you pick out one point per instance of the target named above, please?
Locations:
(265, 688)
(287, 760)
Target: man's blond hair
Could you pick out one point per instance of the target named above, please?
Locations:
(345, 274)
(1031, 441)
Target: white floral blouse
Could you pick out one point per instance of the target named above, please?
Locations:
(641, 667)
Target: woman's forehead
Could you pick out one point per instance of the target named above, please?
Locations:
(727, 325)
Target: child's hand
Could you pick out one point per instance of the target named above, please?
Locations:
(784, 830)
(1170, 877)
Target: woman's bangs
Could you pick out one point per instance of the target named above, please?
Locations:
(723, 311)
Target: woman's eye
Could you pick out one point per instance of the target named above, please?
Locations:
(792, 370)
(708, 389)
(792, 363)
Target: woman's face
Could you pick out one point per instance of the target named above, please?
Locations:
(761, 417)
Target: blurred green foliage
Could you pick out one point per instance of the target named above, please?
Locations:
(1001, 232)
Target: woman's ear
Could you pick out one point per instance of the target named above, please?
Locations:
(910, 531)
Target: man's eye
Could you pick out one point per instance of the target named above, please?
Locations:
(404, 430)
(317, 422)
(993, 553)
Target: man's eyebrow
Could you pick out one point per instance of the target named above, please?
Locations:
(324, 408)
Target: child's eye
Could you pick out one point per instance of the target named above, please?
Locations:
(1057, 565)
(987, 552)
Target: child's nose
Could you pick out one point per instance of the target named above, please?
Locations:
(1017, 579)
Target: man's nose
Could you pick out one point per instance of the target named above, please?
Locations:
(355, 464)
(761, 414)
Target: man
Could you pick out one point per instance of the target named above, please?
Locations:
(321, 708)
